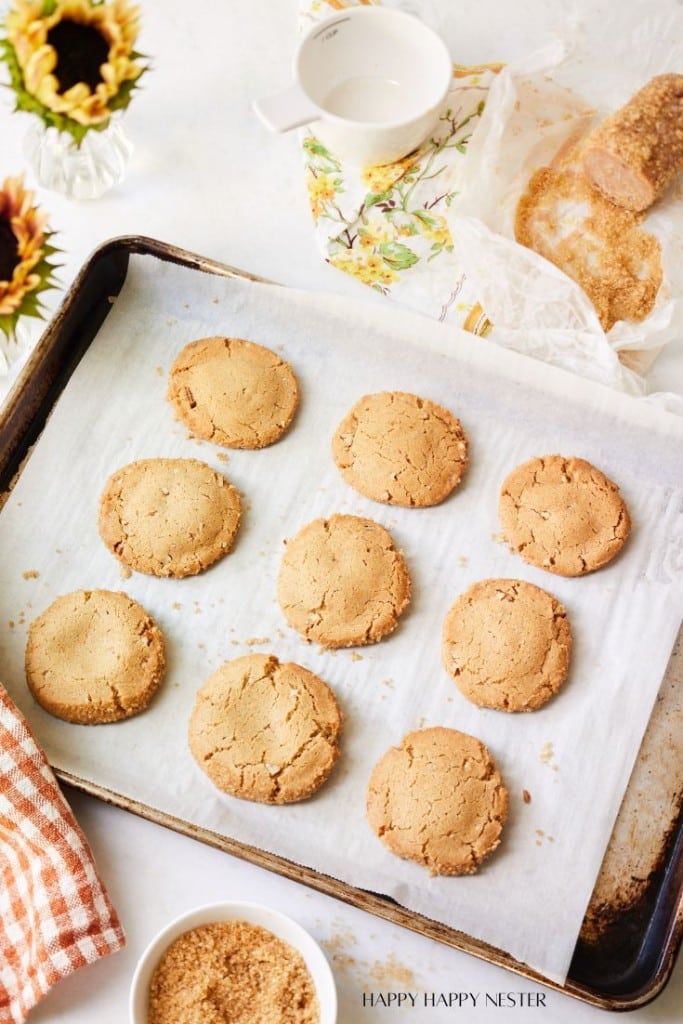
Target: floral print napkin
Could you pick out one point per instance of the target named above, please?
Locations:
(389, 226)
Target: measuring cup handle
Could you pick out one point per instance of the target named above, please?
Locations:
(287, 109)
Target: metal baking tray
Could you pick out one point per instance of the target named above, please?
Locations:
(633, 928)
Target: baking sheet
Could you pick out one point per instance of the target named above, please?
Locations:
(574, 756)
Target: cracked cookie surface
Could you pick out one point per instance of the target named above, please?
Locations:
(233, 392)
(563, 515)
(265, 731)
(401, 449)
(438, 799)
(169, 517)
(343, 582)
(94, 656)
(507, 644)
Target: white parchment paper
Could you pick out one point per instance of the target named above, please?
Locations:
(533, 109)
(573, 757)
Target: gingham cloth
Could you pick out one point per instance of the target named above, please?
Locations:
(55, 915)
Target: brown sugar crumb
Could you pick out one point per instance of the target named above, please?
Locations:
(597, 244)
(125, 573)
(30, 574)
(526, 796)
(231, 972)
(222, 456)
(257, 641)
(392, 970)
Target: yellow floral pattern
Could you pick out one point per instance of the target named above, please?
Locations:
(390, 227)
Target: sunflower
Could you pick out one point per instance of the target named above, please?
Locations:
(72, 62)
(25, 270)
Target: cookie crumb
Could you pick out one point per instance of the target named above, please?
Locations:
(125, 573)
(355, 656)
(526, 796)
(546, 757)
(30, 574)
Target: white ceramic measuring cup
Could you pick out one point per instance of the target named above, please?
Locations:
(372, 79)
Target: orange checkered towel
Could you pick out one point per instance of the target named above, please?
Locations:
(55, 914)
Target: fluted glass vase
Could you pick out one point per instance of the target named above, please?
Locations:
(84, 171)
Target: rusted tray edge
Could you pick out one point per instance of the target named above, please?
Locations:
(379, 906)
(45, 362)
(46, 365)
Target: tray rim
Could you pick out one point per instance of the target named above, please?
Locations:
(15, 415)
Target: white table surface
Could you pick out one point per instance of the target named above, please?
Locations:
(206, 176)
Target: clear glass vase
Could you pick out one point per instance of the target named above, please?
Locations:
(80, 172)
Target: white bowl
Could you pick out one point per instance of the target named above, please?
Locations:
(280, 925)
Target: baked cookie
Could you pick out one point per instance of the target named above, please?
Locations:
(169, 517)
(265, 731)
(343, 582)
(94, 656)
(438, 799)
(507, 644)
(233, 392)
(563, 515)
(401, 449)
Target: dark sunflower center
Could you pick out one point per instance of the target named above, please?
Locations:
(81, 50)
(9, 251)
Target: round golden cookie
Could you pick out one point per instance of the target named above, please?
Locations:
(439, 800)
(265, 731)
(563, 515)
(169, 517)
(507, 645)
(342, 582)
(401, 449)
(233, 392)
(94, 656)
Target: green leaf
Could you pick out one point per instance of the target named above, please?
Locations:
(461, 146)
(373, 198)
(7, 324)
(424, 217)
(397, 256)
(312, 145)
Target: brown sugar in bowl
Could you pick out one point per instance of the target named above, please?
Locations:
(201, 931)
